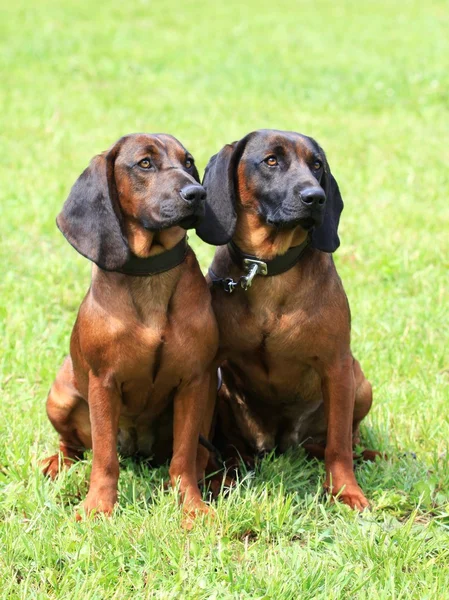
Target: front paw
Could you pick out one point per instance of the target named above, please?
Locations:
(192, 510)
(355, 498)
(99, 502)
(351, 495)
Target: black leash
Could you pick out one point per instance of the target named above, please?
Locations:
(253, 266)
(205, 442)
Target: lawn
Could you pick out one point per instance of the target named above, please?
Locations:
(370, 81)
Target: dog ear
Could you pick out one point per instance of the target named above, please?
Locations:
(90, 218)
(325, 237)
(218, 225)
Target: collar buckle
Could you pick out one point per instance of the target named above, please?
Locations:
(252, 267)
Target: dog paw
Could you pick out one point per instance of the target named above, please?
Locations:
(354, 497)
(53, 465)
(98, 503)
(351, 495)
(372, 455)
(193, 511)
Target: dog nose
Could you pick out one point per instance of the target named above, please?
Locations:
(193, 194)
(313, 197)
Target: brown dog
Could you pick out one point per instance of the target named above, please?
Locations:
(145, 337)
(289, 376)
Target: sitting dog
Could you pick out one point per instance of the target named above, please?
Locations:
(145, 338)
(289, 376)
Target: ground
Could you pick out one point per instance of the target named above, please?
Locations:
(369, 81)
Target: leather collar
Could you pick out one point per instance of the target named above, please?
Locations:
(275, 266)
(158, 263)
(253, 265)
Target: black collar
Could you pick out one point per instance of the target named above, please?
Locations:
(275, 266)
(155, 264)
(253, 265)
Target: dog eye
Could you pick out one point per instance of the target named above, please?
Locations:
(145, 163)
(189, 163)
(271, 161)
(317, 165)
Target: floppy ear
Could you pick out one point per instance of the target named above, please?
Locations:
(218, 225)
(90, 217)
(325, 237)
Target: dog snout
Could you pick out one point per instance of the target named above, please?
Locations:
(193, 194)
(313, 197)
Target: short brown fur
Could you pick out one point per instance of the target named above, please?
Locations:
(289, 376)
(141, 349)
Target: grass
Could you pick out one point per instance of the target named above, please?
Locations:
(370, 82)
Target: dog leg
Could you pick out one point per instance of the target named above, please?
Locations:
(69, 415)
(190, 405)
(362, 406)
(339, 400)
(104, 408)
(210, 473)
(363, 399)
(203, 454)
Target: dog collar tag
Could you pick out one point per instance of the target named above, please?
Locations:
(253, 268)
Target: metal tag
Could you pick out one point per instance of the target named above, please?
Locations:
(253, 268)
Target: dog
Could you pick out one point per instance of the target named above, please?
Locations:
(289, 377)
(140, 374)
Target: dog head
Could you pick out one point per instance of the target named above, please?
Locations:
(143, 183)
(283, 178)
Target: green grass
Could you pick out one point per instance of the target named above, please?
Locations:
(368, 80)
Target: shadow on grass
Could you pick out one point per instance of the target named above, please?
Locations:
(398, 485)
